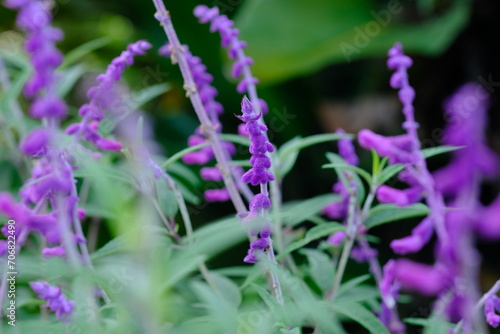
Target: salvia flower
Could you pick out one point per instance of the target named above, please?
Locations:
(56, 301)
(103, 97)
(259, 147)
(491, 307)
(229, 39)
(208, 93)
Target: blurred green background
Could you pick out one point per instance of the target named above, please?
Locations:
(321, 65)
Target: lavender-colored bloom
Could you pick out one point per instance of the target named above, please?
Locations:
(208, 93)
(466, 114)
(360, 254)
(347, 150)
(425, 279)
(259, 245)
(386, 194)
(491, 306)
(211, 174)
(217, 195)
(56, 301)
(336, 238)
(102, 97)
(259, 146)
(418, 238)
(35, 144)
(53, 252)
(229, 39)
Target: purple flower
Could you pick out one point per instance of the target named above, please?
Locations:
(229, 39)
(217, 195)
(103, 97)
(56, 301)
(386, 194)
(35, 144)
(53, 252)
(336, 238)
(491, 306)
(425, 279)
(211, 174)
(259, 147)
(361, 255)
(418, 238)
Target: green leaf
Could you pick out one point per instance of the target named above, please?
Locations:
(166, 198)
(317, 232)
(289, 151)
(81, 51)
(359, 171)
(177, 156)
(298, 211)
(386, 213)
(147, 94)
(335, 32)
(114, 246)
(432, 151)
(69, 78)
(389, 172)
(345, 287)
(227, 288)
(287, 156)
(361, 315)
(321, 268)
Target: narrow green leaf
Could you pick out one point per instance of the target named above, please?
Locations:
(69, 78)
(321, 268)
(166, 198)
(237, 139)
(228, 289)
(298, 211)
(362, 316)
(317, 232)
(81, 51)
(386, 213)
(432, 151)
(356, 169)
(177, 156)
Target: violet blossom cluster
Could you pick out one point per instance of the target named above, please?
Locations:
(56, 301)
(208, 93)
(241, 66)
(257, 175)
(34, 17)
(102, 97)
(405, 149)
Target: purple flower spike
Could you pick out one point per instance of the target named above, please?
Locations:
(229, 39)
(56, 301)
(103, 97)
(490, 306)
(259, 147)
